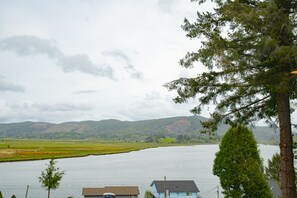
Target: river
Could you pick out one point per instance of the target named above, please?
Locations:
(138, 168)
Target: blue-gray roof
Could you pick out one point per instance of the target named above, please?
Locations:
(176, 186)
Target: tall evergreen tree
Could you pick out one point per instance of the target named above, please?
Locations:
(50, 178)
(239, 166)
(249, 49)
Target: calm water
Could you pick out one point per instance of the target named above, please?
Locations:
(138, 168)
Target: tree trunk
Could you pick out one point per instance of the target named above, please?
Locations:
(288, 187)
(48, 193)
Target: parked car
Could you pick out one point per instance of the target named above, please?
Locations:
(108, 195)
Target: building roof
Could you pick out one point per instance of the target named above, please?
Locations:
(176, 186)
(117, 190)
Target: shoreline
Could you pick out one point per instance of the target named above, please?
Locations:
(16, 150)
(33, 150)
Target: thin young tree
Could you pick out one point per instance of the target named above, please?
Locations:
(50, 178)
(148, 194)
(249, 50)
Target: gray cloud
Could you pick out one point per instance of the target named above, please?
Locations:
(32, 45)
(6, 86)
(117, 54)
(25, 111)
(85, 92)
(62, 107)
(152, 105)
(84, 64)
(59, 107)
(129, 67)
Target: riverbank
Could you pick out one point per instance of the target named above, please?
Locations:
(25, 150)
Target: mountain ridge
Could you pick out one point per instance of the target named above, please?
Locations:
(113, 129)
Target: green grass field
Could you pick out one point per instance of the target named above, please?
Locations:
(20, 150)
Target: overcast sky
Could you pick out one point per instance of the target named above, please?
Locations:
(74, 60)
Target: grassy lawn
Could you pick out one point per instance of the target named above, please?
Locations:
(20, 150)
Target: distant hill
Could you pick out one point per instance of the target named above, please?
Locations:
(175, 127)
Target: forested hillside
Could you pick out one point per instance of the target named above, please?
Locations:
(183, 129)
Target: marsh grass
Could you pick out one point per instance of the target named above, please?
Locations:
(21, 150)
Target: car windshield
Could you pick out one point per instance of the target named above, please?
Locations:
(108, 196)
